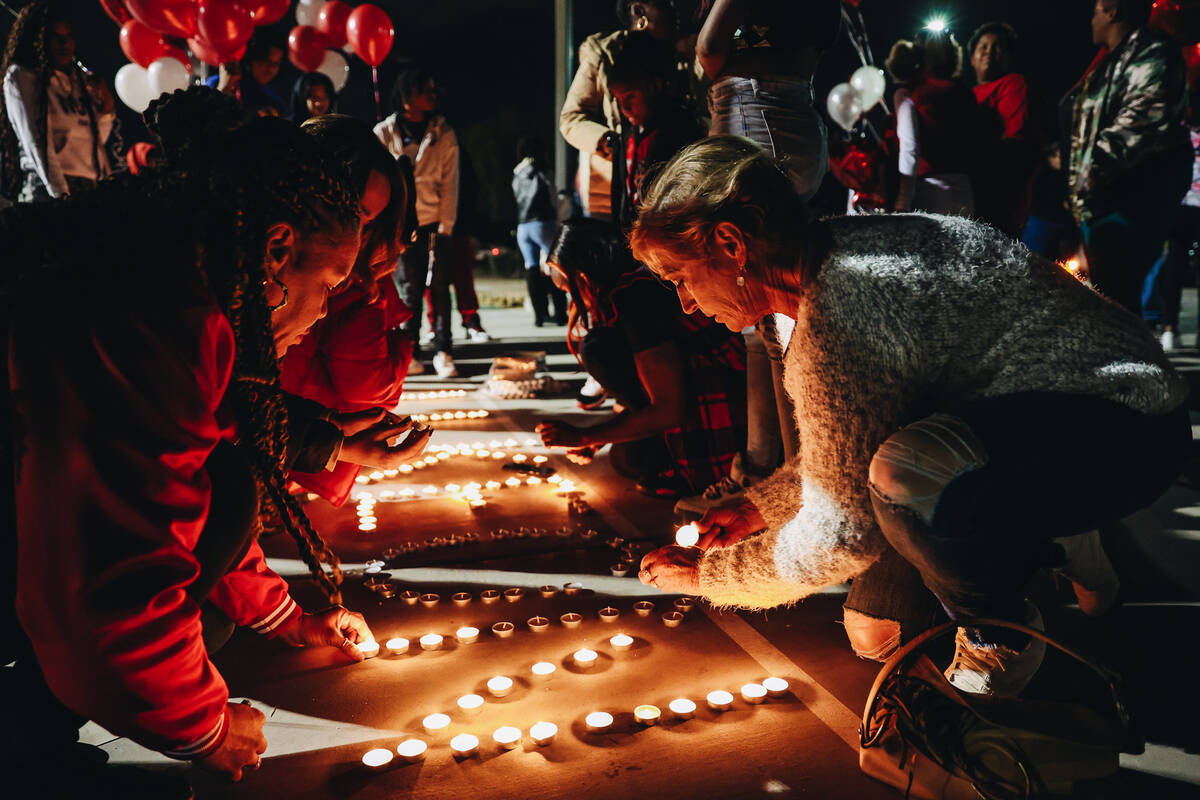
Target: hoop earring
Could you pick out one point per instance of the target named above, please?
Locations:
(641, 23)
(282, 302)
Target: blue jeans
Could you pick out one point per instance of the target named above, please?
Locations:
(534, 240)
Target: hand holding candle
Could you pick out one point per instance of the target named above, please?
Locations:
(333, 627)
(729, 524)
(672, 569)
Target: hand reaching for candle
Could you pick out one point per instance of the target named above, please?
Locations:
(673, 569)
(334, 627)
(728, 524)
(368, 435)
(242, 746)
(560, 434)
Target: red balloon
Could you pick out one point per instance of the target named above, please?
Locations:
(205, 52)
(180, 56)
(1178, 19)
(331, 21)
(117, 10)
(225, 25)
(266, 12)
(306, 47)
(140, 44)
(172, 17)
(370, 33)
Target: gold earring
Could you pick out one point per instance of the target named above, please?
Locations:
(642, 23)
(741, 279)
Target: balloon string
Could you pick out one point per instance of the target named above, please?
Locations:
(378, 105)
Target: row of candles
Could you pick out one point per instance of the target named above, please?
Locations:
(543, 733)
(433, 395)
(478, 450)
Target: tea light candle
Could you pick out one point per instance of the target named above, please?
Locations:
(376, 476)
(682, 708)
(647, 714)
(572, 588)
(687, 535)
(672, 619)
(554, 479)
(519, 458)
(500, 685)
(643, 608)
(368, 521)
(720, 700)
(507, 737)
(514, 594)
(538, 624)
(609, 614)
(543, 733)
(584, 658)
(466, 634)
(548, 591)
(598, 721)
(540, 459)
(493, 485)
(377, 759)
(429, 490)
(430, 600)
(619, 570)
(489, 595)
(621, 642)
(397, 646)
(776, 687)
(510, 442)
(503, 630)
(366, 527)
(571, 620)
(411, 750)
(753, 693)
(684, 604)
(410, 597)
(436, 722)
(464, 745)
(369, 649)
(460, 598)
(533, 480)
(431, 641)
(543, 669)
(452, 487)
(470, 703)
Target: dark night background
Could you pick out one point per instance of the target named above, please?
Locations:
(495, 61)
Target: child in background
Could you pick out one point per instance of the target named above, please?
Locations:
(312, 96)
(537, 220)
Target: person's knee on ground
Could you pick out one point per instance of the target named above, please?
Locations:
(872, 638)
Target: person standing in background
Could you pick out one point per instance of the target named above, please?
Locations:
(416, 131)
(537, 221)
(249, 80)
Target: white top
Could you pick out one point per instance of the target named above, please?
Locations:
(435, 168)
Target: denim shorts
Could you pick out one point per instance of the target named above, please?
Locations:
(777, 114)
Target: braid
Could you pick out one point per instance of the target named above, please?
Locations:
(26, 47)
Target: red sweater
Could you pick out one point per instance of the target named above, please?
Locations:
(117, 405)
(353, 360)
(1008, 97)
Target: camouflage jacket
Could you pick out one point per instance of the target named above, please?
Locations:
(1128, 110)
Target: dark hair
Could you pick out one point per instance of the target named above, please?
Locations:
(303, 86)
(1005, 34)
(1134, 13)
(26, 47)
(531, 146)
(262, 43)
(641, 60)
(594, 249)
(409, 82)
(624, 10)
(938, 54)
(356, 148)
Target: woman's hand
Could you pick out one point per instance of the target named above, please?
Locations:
(101, 95)
(242, 746)
(229, 76)
(673, 569)
(367, 436)
(333, 627)
(725, 525)
(561, 434)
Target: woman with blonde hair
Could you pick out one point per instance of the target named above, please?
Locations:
(943, 386)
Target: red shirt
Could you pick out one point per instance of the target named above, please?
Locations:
(1008, 97)
(118, 402)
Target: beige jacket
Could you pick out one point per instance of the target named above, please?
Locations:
(435, 169)
(589, 112)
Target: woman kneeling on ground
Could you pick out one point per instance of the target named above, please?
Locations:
(945, 380)
(679, 376)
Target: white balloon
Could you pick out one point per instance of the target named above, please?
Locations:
(133, 87)
(307, 12)
(166, 75)
(870, 84)
(335, 67)
(844, 105)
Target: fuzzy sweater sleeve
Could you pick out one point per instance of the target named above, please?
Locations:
(778, 497)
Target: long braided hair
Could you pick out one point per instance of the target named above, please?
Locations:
(26, 47)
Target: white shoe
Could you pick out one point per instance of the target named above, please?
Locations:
(717, 494)
(1090, 572)
(443, 365)
(591, 387)
(427, 337)
(415, 367)
(1169, 340)
(478, 335)
(994, 669)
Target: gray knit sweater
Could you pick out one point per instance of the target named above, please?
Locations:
(911, 314)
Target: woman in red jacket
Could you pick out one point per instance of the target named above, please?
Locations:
(355, 359)
(149, 428)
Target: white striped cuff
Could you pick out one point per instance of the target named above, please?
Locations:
(201, 745)
(276, 618)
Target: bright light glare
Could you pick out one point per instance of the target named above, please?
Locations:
(936, 25)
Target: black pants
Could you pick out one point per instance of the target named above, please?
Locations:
(27, 705)
(1179, 262)
(1056, 465)
(424, 265)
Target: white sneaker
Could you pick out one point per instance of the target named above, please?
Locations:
(1090, 572)
(443, 365)
(427, 337)
(1169, 340)
(591, 387)
(996, 669)
(478, 335)
(415, 367)
(717, 494)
